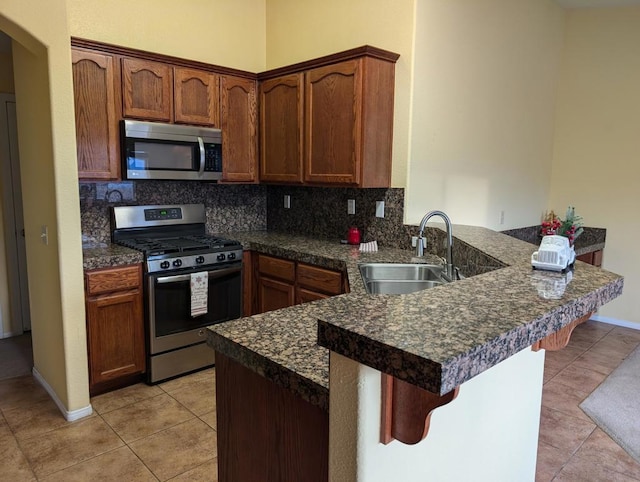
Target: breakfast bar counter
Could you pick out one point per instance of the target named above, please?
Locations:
(434, 340)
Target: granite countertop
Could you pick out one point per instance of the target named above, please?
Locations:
(105, 255)
(436, 339)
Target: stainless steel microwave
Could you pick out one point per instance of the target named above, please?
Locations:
(153, 150)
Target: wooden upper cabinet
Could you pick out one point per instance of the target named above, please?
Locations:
(238, 105)
(147, 90)
(333, 123)
(346, 118)
(281, 129)
(197, 96)
(95, 90)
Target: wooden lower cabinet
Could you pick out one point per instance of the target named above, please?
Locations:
(266, 432)
(115, 327)
(280, 283)
(594, 258)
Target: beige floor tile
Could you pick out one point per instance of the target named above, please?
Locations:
(125, 396)
(601, 449)
(628, 334)
(615, 346)
(210, 419)
(563, 431)
(200, 397)
(20, 392)
(564, 399)
(14, 466)
(34, 419)
(599, 361)
(580, 378)
(579, 469)
(67, 446)
(117, 465)
(207, 472)
(177, 449)
(562, 357)
(594, 328)
(146, 417)
(550, 461)
(189, 381)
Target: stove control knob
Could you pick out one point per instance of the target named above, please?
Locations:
(200, 259)
(177, 263)
(221, 257)
(232, 256)
(165, 264)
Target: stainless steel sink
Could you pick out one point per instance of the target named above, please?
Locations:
(396, 278)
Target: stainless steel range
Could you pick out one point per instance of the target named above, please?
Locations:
(192, 280)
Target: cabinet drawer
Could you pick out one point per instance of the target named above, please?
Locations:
(112, 279)
(320, 279)
(277, 268)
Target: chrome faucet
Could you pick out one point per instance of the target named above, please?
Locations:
(420, 245)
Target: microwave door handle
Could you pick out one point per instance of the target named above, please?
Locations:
(202, 153)
(217, 273)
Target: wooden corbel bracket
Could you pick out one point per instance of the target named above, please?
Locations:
(407, 409)
(558, 340)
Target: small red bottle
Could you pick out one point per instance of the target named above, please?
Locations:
(353, 237)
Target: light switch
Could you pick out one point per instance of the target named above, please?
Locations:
(351, 206)
(287, 201)
(379, 209)
(44, 234)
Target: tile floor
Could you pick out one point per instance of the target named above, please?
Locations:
(167, 432)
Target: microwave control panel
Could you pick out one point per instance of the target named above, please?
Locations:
(213, 157)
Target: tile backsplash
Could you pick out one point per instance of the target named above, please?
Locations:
(322, 212)
(228, 207)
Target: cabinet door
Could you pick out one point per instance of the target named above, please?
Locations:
(147, 90)
(333, 123)
(94, 95)
(238, 99)
(274, 294)
(196, 97)
(281, 129)
(304, 295)
(115, 335)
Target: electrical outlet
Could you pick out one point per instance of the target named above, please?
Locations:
(379, 209)
(501, 217)
(351, 206)
(287, 201)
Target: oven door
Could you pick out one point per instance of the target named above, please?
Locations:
(171, 325)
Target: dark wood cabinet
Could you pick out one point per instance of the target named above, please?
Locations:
(281, 283)
(314, 283)
(115, 329)
(96, 94)
(147, 90)
(594, 258)
(197, 95)
(275, 283)
(281, 129)
(344, 107)
(239, 110)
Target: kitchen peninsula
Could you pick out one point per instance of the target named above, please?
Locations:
(473, 335)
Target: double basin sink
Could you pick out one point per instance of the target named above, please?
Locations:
(397, 278)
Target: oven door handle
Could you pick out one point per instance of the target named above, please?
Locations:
(216, 273)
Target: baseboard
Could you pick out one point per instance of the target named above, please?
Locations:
(8, 334)
(614, 321)
(70, 416)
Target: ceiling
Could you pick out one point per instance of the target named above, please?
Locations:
(596, 3)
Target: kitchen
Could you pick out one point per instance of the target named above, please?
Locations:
(367, 25)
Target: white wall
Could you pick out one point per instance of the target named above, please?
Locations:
(488, 433)
(596, 163)
(482, 110)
